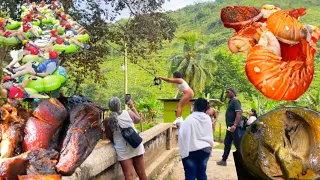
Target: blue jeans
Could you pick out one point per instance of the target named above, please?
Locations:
(195, 165)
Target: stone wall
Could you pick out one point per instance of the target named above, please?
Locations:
(102, 163)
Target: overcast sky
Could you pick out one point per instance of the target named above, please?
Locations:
(172, 5)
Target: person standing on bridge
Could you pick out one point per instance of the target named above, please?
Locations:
(195, 141)
(233, 117)
(127, 155)
(214, 117)
(183, 86)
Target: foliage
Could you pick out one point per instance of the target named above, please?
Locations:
(313, 101)
(262, 105)
(196, 62)
(230, 73)
(149, 107)
(145, 126)
(141, 35)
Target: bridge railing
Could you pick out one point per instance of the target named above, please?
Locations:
(102, 162)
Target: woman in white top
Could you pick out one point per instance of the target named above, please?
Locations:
(196, 141)
(183, 86)
(253, 117)
(127, 155)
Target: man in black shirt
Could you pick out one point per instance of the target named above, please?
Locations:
(233, 117)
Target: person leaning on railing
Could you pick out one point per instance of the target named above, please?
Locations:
(127, 155)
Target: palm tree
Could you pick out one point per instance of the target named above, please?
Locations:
(196, 62)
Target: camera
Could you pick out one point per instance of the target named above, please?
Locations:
(127, 98)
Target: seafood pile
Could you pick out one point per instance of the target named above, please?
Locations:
(283, 144)
(280, 50)
(48, 142)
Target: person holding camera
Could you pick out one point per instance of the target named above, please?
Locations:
(119, 128)
(183, 86)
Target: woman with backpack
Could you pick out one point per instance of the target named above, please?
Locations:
(128, 156)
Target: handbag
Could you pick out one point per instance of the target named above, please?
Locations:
(131, 136)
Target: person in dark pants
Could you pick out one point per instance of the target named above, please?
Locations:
(233, 117)
(196, 141)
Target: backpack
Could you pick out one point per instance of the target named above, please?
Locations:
(244, 120)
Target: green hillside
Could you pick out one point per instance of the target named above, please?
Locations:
(204, 19)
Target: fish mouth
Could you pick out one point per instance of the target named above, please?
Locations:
(283, 144)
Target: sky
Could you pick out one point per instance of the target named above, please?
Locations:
(169, 5)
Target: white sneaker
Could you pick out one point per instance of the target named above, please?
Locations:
(178, 121)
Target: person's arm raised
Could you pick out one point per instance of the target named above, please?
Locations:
(133, 113)
(134, 116)
(171, 80)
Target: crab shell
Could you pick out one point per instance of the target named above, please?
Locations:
(286, 28)
(281, 78)
(238, 16)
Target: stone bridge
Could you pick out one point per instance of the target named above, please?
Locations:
(160, 144)
(161, 159)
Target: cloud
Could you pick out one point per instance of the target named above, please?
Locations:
(176, 4)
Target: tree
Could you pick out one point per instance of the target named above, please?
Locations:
(195, 62)
(262, 105)
(143, 32)
(230, 73)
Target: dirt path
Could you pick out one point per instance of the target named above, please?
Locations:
(214, 172)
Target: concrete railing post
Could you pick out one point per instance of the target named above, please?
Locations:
(169, 139)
